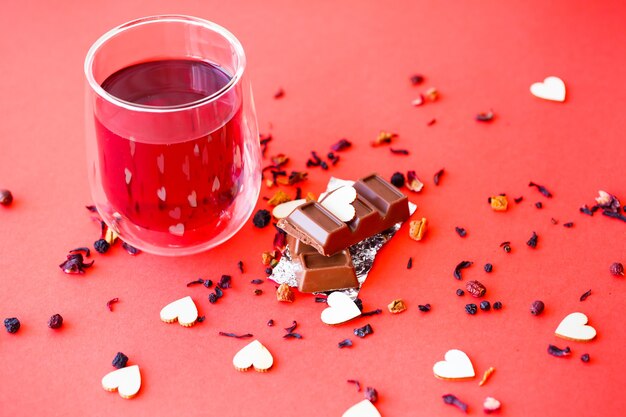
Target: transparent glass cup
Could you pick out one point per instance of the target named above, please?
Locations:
(172, 139)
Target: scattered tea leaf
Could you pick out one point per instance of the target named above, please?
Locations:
(345, 343)
(409, 264)
(363, 331)
(236, 336)
(585, 295)
(453, 400)
(556, 351)
(372, 313)
(485, 117)
(437, 176)
(462, 265)
(532, 242)
(399, 151)
(355, 382)
(543, 190)
(111, 302)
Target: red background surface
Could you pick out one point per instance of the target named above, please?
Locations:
(345, 69)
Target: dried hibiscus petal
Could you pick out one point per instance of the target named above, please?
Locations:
(75, 264)
(413, 183)
(384, 138)
(343, 144)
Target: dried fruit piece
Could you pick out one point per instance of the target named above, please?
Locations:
(416, 79)
(418, 101)
(485, 117)
(585, 357)
(543, 190)
(485, 305)
(262, 218)
(285, 294)
(341, 145)
(491, 405)
(498, 202)
(397, 179)
(12, 324)
(413, 183)
(475, 288)
(432, 94)
(452, 400)
(384, 138)
(396, 306)
(363, 331)
(120, 360)
(461, 265)
(532, 242)
(101, 246)
(437, 176)
(556, 351)
(279, 197)
(424, 308)
(371, 394)
(486, 376)
(471, 309)
(345, 343)
(417, 228)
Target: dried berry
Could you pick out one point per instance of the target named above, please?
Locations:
(12, 324)
(270, 323)
(284, 293)
(585, 357)
(341, 145)
(485, 305)
(6, 198)
(437, 176)
(498, 202)
(416, 79)
(543, 190)
(537, 307)
(585, 295)
(506, 246)
(101, 246)
(617, 269)
(120, 360)
(225, 281)
(413, 183)
(363, 331)
(130, 249)
(460, 292)
(556, 351)
(425, 308)
(279, 94)
(55, 321)
(475, 288)
(218, 292)
(236, 336)
(207, 283)
(345, 343)
(396, 306)
(539, 204)
(460, 266)
(488, 268)
(397, 179)
(75, 264)
(460, 231)
(452, 400)
(485, 117)
(212, 298)
(371, 394)
(111, 302)
(532, 242)
(497, 305)
(471, 309)
(262, 218)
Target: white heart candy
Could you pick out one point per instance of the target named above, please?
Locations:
(339, 203)
(161, 193)
(340, 309)
(284, 209)
(364, 408)
(177, 229)
(253, 354)
(574, 327)
(183, 310)
(457, 365)
(126, 381)
(193, 199)
(128, 175)
(552, 88)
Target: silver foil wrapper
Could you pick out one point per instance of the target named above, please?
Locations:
(363, 253)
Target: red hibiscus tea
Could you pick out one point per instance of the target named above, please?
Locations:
(174, 154)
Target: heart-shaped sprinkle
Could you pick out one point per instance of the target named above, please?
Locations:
(339, 203)
(177, 229)
(192, 198)
(161, 163)
(253, 354)
(185, 167)
(574, 327)
(340, 309)
(456, 365)
(552, 88)
(284, 209)
(216, 184)
(131, 143)
(175, 213)
(128, 175)
(183, 310)
(364, 408)
(161, 193)
(126, 381)
(196, 150)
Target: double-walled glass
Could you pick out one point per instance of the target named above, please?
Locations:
(172, 139)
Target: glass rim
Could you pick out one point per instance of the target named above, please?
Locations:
(93, 50)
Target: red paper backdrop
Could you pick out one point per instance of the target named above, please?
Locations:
(345, 69)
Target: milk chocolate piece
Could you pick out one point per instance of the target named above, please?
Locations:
(320, 273)
(379, 205)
